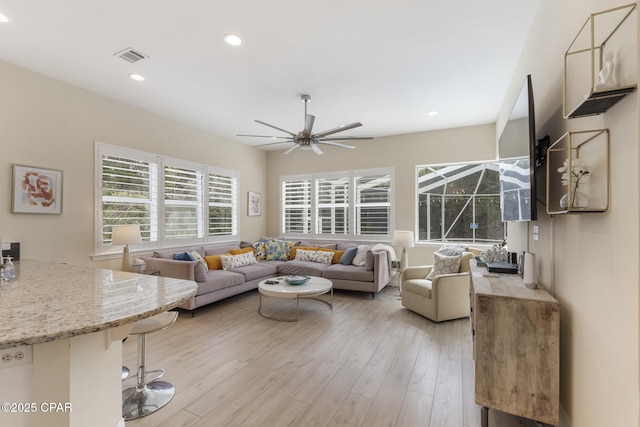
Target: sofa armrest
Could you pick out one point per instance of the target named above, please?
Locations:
(447, 289)
(415, 272)
(382, 273)
(171, 268)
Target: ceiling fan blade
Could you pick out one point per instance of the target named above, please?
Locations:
(275, 127)
(291, 149)
(308, 124)
(274, 143)
(336, 144)
(266, 136)
(345, 138)
(316, 149)
(338, 129)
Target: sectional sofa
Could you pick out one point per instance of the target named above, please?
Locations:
(225, 271)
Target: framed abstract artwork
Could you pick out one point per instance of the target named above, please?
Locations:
(254, 204)
(36, 190)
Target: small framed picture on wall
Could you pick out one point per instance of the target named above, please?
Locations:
(36, 190)
(254, 204)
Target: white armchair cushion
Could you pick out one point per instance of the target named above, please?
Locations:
(420, 287)
(444, 265)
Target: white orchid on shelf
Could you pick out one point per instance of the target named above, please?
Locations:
(578, 171)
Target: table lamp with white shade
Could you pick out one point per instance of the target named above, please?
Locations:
(403, 239)
(125, 235)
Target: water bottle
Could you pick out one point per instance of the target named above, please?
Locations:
(9, 270)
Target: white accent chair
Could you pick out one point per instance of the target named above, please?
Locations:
(445, 297)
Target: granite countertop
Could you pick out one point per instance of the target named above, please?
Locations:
(48, 301)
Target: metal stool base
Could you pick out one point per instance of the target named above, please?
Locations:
(137, 403)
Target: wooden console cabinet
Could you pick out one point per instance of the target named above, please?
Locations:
(516, 333)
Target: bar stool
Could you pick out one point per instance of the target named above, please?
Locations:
(148, 395)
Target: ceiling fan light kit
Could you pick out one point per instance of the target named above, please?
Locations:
(306, 139)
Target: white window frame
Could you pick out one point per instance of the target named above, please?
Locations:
(158, 239)
(351, 233)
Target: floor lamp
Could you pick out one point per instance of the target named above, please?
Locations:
(403, 239)
(125, 235)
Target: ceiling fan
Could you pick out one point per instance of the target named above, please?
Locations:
(306, 139)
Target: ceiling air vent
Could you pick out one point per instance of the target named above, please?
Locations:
(131, 55)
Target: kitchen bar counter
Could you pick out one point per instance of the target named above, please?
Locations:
(61, 328)
(50, 301)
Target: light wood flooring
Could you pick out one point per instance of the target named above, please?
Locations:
(366, 363)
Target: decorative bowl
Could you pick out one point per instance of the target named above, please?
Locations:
(297, 280)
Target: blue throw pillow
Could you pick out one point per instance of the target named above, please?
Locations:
(183, 256)
(348, 256)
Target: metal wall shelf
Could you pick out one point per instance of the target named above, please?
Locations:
(605, 45)
(575, 151)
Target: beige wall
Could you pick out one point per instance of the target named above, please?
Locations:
(402, 152)
(50, 124)
(590, 261)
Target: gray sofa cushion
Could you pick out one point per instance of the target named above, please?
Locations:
(260, 270)
(219, 279)
(307, 268)
(348, 272)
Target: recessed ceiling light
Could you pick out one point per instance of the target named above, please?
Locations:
(3, 18)
(137, 77)
(432, 113)
(232, 39)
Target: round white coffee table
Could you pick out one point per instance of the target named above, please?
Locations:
(315, 287)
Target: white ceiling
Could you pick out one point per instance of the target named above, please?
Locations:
(385, 63)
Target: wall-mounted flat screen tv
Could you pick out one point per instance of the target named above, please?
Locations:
(516, 151)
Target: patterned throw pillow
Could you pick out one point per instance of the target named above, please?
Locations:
(336, 254)
(444, 265)
(322, 257)
(451, 250)
(295, 249)
(234, 261)
(197, 257)
(258, 248)
(289, 247)
(275, 250)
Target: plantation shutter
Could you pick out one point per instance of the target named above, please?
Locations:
(183, 212)
(373, 204)
(332, 206)
(128, 196)
(296, 206)
(223, 203)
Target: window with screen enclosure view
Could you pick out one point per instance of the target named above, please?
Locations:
(460, 203)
